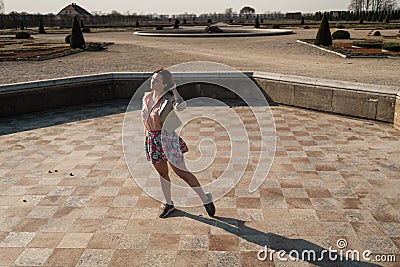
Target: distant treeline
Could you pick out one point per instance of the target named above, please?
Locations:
(23, 20)
(15, 20)
(371, 16)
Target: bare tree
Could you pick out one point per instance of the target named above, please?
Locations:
(389, 5)
(1, 7)
(367, 5)
(376, 5)
(356, 5)
(228, 12)
(373, 5)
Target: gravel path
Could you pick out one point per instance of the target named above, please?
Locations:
(277, 54)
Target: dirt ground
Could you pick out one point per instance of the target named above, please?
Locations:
(276, 54)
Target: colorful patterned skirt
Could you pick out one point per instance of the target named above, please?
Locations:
(164, 145)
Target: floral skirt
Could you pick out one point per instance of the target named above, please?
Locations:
(164, 145)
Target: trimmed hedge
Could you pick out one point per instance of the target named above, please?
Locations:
(368, 44)
(77, 40)
(324, 36)
(394, 47)
(341, 34)
(377, 33)
(257, 23)
(86, 30)
(23, 35)
(68, 39)
(177, 23)
(41, 26)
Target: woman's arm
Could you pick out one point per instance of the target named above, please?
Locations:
(177, 96)
(179, 103)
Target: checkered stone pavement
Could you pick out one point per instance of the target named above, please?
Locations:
(68, 199)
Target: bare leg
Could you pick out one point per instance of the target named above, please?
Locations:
(162, 169)
(190, 179)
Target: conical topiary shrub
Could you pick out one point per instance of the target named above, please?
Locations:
(77, 40)
(177, 23)
(41, 27)
(137, 24)
(324, 36)
(257, 23)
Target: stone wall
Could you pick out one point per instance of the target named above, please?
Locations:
(30, 97)
(373, 102)
(397, 113)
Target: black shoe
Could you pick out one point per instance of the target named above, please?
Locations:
(209, 206)
(168, 208)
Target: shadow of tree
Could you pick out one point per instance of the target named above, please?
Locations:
(278, 243)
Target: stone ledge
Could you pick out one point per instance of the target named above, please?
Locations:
(376, 102)
(374, 88)
(201, 34)
(72, 80)
(396, 121)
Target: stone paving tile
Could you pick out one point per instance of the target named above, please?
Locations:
(333, 178)
(46, 240)
(248, 258)
(191, 258)
(104, 240)
(133, 241)
(75, 240)
(30, 225)
(64, 257)
(9, 255)
(84, 225)
(194, 242)
(17, 239)
(58, 225)
(223, 258)
(224, 243)
(160, 241)
(95, 257)
(128, 257)
(33, 257)
(159, 258)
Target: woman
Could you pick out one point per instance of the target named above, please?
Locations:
(170, 147)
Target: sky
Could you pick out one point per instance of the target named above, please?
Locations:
(175, 6)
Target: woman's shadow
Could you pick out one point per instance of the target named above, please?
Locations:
(305, 249)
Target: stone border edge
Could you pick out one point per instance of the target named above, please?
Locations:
(252, 32)
(343, 55)
(396, 121)
(375, 102)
